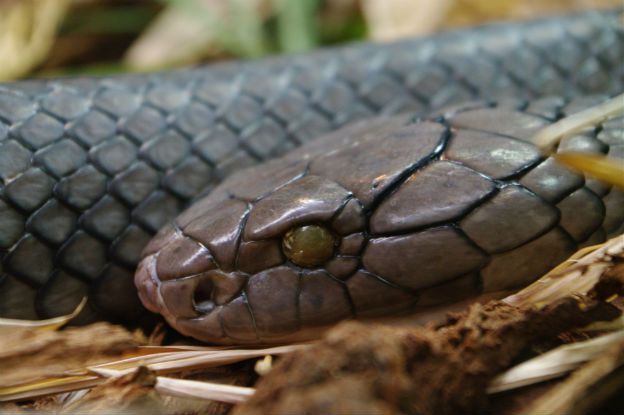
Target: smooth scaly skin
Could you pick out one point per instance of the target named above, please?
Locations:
(91, 168)
(426, 212)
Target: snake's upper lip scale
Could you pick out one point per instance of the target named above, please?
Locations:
(179, 276)
(146, 281)
(189, 302)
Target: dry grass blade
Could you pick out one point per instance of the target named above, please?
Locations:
(202, 390)
(587, 389)
(28, 29)
(184, 361)
(548, 137)
(131, 363)
(48, 324)
(50, 386)
(606, 326)
(606, 169)
(577, 275)
(177, 348)
(554, 363)
(161, 360)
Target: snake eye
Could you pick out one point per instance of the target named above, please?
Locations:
(309, 246)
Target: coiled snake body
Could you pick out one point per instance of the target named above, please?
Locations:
(404, 211)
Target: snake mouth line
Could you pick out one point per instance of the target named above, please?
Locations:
(192, 300)
(196, 295)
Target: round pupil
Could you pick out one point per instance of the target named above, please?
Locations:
(309, 246)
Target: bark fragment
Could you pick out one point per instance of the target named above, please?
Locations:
(30, 354)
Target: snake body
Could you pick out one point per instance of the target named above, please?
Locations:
(92, 168)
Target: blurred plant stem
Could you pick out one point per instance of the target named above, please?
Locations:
(395, 19)
(191, 30)
(27, 31)
(188, 31)
(297, 24)
(247, 37)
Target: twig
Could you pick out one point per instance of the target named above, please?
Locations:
(546, 138)
(48, 324)
(202, 390)
(554, 363)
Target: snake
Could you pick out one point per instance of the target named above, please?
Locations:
(248, 202)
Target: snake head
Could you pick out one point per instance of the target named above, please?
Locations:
(254, 262)
(346, 226)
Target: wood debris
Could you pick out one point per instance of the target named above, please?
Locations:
(28, 355)
(133, 393)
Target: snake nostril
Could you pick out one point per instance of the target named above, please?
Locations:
(203, 296)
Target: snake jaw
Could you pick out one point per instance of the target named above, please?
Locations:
(195, 305)
(219, 273)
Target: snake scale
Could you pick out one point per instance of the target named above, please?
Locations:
(404, 211)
